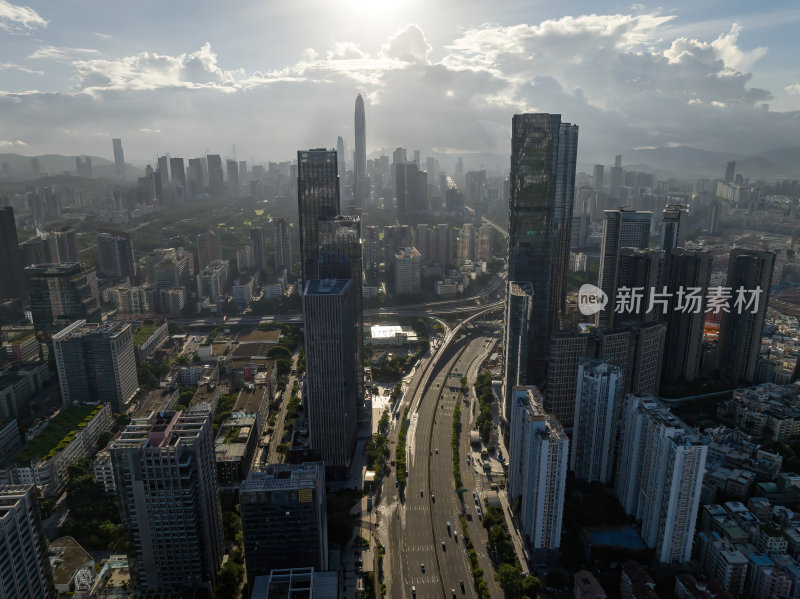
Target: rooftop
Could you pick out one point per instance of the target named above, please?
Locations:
(145, 331)
(258, 336)
(59, 432)
(67, 557)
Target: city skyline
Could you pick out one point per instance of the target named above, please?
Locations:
(701, 68)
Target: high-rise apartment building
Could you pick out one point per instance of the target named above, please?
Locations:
(538, 459)
(616, 176)
(115, 258)
(119, 158)
(689, 270)
(444, 246)
(341, 153)
(566, 351)
(332, 385)
(519, 308)
(166, 484)
(407, 271)
(621, 228)
(466, 243)
(209, 248)
(542, 183)
(284, 520)
(411, 190)
(59, 294)
(598, 405)
(24, 565)
(96, 364)
(659, 476)
(360, 179)
(12, 281)
(740, 330)
(318, 199)
(41, 249)
(283, 245)
(730, 171)
(178, 177)
(163, 169)
(232, 168)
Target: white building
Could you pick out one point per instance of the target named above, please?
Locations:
(212, 279)
(660, 476)
(537, 474)
(407, 271)
(597, 403)
(242, 292)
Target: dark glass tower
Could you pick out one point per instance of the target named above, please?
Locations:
(360, 181)
(12, 281)
(317, 199)
(542, 180)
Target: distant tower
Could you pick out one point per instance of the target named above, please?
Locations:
(209, 248)
(616, 176)
(283, 246)
(360, 183)
(341, 154)
(672, 230)
(318, 199)
(598, 177)
(119, 158)
(12, 282)
(730, 171)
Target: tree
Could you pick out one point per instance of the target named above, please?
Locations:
(510, 580)
(229, 580)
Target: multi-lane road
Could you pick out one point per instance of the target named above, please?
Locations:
(423, 556)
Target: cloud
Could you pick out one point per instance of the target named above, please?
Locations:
(18, 19)
(407, 45)
(8, 66)
(6, 144)
(59, 53)
(102, 36)
(793, 89)
(624, 78)
(149, 70)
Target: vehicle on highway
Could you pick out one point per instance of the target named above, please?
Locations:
(474, 495)
(444, 547)
(413, 591)
(422, 567)
(433, 498)
(455, 536)
(448, 527)
(463, 589)
(421, 494)
(396, 484)
(480, 514)
(437, 450)
(454, 592)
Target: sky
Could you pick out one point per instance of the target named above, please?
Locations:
(190, 76)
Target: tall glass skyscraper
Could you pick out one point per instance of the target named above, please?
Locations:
(543, 154)
(318, 200)
(360, 181)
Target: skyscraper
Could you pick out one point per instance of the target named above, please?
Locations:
(598, 406)
(232, 168)
(96, 364)
(640, 271)
(519, 308)
(537, 473)
(659, 476)
(24, 566)
(616, 176)
(119, 158)
(115, 255)
(598, 177)
(12, 281)
(407, 271)
(318, 199)
(332, 386)
(178, 177)
(209, 248)
(67, 244)
(372, 253)
(687, 269)
(284, 520)
(340, 153)
(283, 245)
(672, 230)
(163, 168)
(215, 177)
(258, 243)
(542, 180)
(62, 293)
(621, 228)
(740, 333)
(360, 181)
(730, 171)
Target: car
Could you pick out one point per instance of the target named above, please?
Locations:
(414, 591)
(448, 527)
(421, 494)
(396, 484)
(477, 502)
(455, 536)
(463, 589)
(437, 450)
(433, 498)
(454, 592)
(444, 547)
(474, 495)
(422, 567)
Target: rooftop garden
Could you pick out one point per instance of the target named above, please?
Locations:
(145, 331)
(58, 434)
